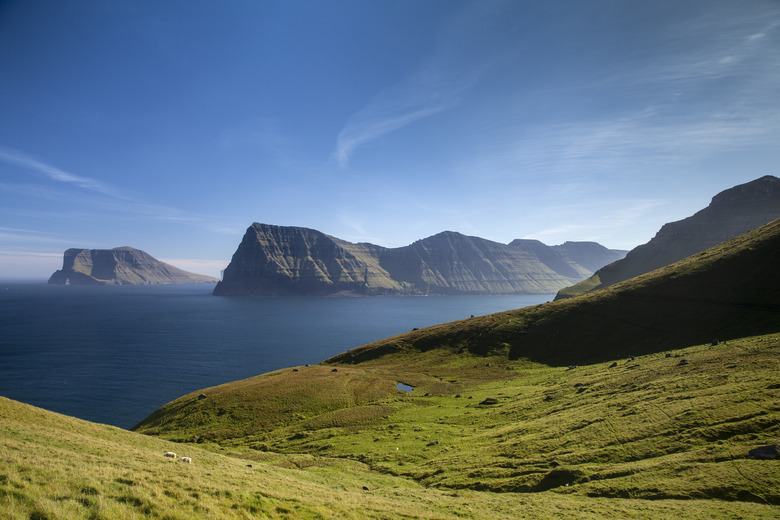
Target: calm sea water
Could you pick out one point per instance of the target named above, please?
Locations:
(115, 354)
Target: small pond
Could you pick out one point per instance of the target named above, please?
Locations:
(406, 388)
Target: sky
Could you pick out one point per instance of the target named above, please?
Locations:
(171, 126)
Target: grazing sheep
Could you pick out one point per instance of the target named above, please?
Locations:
(186, 460)
(170, 455)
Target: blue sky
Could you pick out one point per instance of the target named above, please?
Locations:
(171, 126)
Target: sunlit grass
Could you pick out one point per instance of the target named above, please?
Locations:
(501, 423)
(58, 467)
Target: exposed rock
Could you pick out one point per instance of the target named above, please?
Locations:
(557, 478)
(489, 401)
(764, 452)
(731, 213)
(119, 266)
(274, 260)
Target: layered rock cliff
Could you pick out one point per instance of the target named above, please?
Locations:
(120, 266)
(730, 213)
(275, 260)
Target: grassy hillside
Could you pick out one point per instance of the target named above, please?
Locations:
(649, 438)
(731, 213)
(654, 427)
(59, 467)
(655, 422)
(729, 291)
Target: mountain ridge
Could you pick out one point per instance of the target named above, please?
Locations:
(727, 291)
(272, 260)
(730, 213)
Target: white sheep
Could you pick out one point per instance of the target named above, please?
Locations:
(170, 455)
(186, 460)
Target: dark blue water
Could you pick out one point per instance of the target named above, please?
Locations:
(115, 354)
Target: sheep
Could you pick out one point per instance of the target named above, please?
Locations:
(186, 460)
(170, 455)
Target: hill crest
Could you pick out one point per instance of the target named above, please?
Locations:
(731, 212)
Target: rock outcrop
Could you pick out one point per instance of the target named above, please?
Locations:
(120, 266)
(276, 260)
(731, 213)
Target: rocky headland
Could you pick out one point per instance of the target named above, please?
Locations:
(120, 266)
(277, 260)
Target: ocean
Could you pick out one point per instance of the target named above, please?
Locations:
(113, 355)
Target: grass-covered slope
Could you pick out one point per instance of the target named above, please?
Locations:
(728, 291)
(498, 426)
(731, 213)
(648, 414)
(653, 428)
(57, 467)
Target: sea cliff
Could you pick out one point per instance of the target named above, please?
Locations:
(276, 260)
(119, 266)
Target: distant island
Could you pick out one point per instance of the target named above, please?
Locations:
(120, 266)
(279, 260)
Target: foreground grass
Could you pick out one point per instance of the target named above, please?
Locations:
(657, 428)
(54, 466)
(58, 467)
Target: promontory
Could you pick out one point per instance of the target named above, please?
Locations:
(120, 266)
(278, 260)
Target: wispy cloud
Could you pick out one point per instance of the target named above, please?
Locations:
(669, 108)
(31, 163)
(16, 235)
(437, 86)
(395, 108)
(89, 195)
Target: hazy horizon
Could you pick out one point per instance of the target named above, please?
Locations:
(171, 127)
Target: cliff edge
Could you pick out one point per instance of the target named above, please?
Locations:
(279, 260)
(120, 266)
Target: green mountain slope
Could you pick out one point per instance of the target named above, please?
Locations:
(731, 213)
(58, 467)
(498, 406)
(728, 291)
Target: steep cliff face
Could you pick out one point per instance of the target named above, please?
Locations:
(119, 266)
(289, 260)
(452, 263)
(731, 213)
(274, 260)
